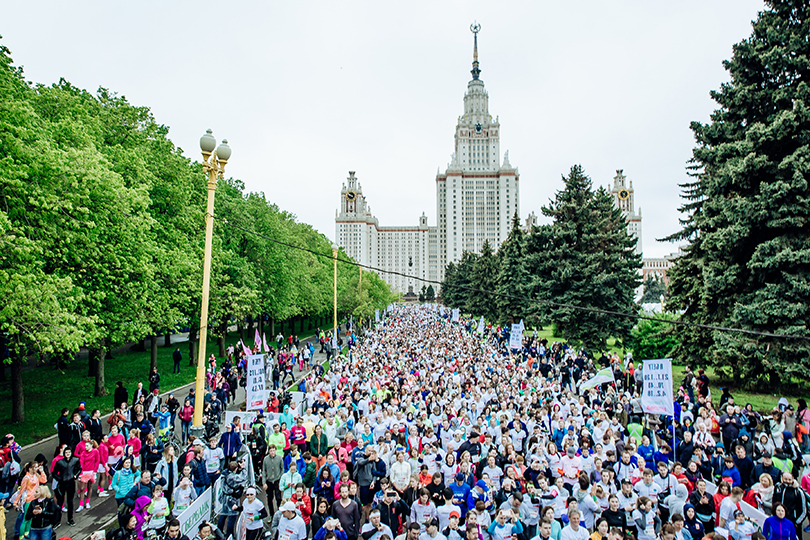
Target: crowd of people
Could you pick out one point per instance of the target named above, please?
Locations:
(433, 429)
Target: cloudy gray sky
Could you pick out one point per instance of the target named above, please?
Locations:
(306, 91)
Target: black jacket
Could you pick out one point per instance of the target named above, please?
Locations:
(66, 470)
(391, 515)
(120, 396)
(63, 429)
(47, 518)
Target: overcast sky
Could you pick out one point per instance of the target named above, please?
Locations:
(307, 91)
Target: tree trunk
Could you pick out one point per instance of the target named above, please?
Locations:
(17, 397)
(221, 345)
(261, 324)
(272, 327)
(92, 363)
(192, 342)
(153, 352)
(101, 388)
(167, 339)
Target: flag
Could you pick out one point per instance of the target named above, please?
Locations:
(602, 376)
(244, 348)
(264, 342)
(257, 341)
(480, 328)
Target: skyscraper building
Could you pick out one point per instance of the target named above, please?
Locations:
(476, 197)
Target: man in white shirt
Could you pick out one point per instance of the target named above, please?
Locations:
(374, 529)
(573, 531)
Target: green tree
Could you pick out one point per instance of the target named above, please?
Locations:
(653, 339)
(430, 294)
(654, 289)
(746, 216)
(584, 259)
(480, 300)
(422, 293)
(457, 278)
(512, 277)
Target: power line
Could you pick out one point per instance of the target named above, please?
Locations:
(505, 295)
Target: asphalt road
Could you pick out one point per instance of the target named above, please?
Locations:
(103, 509)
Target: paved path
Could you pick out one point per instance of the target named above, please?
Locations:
(103, 510)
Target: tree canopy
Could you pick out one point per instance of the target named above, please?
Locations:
(102, 225)
(746, 210)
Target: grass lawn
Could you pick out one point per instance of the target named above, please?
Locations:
(47, 390)
(761, 402)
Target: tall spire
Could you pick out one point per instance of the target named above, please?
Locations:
(475, 28)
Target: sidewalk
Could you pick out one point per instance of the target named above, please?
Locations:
(103, 510)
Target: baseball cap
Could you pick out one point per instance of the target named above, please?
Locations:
(459, 476)
(198, 442)
(481, 484)
(738, 513)
(455, 513)
(288, 507)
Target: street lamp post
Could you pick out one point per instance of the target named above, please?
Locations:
(334, 305)
(214, 164)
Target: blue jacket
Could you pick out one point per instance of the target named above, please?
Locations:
(460, 494)
(734, 474)
(230, 442)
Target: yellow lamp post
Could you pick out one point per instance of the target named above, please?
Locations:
(214, 164)
(334, 306)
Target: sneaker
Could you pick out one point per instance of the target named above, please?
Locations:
(71, 522)
(87, 505)
(64, 509)
(80, 508)
(103, 494)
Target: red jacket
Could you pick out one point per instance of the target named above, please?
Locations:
(304, 505)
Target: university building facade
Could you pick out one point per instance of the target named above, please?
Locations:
(476, 198)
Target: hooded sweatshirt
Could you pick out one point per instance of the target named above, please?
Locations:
(694, 525)
(230, 442)
(676, 501)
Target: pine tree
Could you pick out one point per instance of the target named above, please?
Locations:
(484, 272)
(747, 217)
(586, 258)
(513, 277)
(654, 289)
(448, 290)
(430, 293)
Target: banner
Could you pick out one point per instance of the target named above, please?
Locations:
(480, 328)
(376, 315)
(516, 337)
(455, 315)
(199, 511)
(602, 376)
(256, 394)
(656, 390)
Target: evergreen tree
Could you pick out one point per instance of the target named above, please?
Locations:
(448, 289)
(430, 294)
(654, 289)
(456, 291)
(513, 277)
(747, 213)
(484, 272)
(586, 258)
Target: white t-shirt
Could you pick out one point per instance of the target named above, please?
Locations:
(649, 529)
(444, 514)
(727, 508)
(288, 529)
(251, 510)
(377, 535)
(567, 533)
(212, 457)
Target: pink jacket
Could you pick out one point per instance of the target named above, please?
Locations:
(90, 460)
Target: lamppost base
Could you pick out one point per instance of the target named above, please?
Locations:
(197, 432)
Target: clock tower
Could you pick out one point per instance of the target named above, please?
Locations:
(624, 198)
